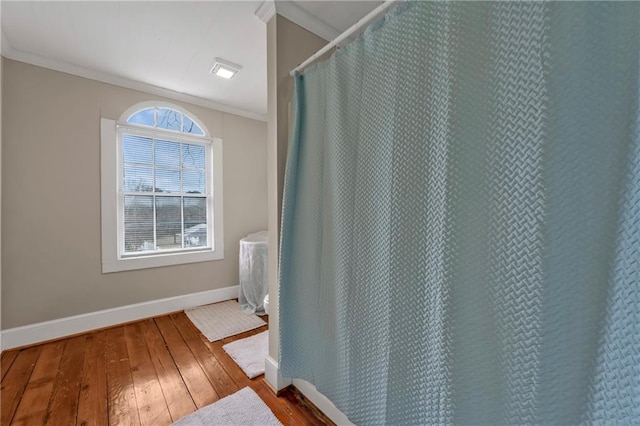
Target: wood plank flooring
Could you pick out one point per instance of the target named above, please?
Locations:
(151, 372)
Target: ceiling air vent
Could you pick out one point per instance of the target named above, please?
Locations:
(225, 69)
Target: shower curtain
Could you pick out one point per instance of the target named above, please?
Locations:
(461, 217)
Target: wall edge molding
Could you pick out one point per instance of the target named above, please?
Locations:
(40, 61)
(5, 46)
(322, 402)
(275, 380)
(272, 375)
(59, 328)
(266, 10)
(311, 23)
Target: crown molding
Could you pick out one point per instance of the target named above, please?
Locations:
(17, 55)
(312, 23)
(266, 10)
(299, 16)
(5, 46)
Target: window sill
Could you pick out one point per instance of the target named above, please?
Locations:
(156, 261)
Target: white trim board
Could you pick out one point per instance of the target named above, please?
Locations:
(54, 329)
(266, 11)
(306, 20)
(322, 402)
(272, 375)
(277, 382)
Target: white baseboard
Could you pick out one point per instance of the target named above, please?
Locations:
(272, 375)
(322, 402)
(277, 382)
(48, 330)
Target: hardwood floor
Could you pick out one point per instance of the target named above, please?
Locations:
(151, 372)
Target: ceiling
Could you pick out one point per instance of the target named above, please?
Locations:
(165, 48)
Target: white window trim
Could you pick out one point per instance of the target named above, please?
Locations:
(111, 260)
(159, 104)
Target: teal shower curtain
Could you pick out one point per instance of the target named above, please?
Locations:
(461, 217)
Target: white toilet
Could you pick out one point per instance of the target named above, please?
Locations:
(253, 273)
(266, 304)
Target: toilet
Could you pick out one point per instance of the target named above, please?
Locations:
(253, 273)
(266, 304)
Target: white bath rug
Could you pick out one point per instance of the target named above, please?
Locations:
(249, 353)
(243, 408)
(223, 319)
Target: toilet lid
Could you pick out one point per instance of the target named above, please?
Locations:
(257, 238)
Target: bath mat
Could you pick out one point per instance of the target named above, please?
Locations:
(222, 320)
(243, 408)
(249, 353)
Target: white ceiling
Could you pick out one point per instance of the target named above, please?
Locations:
(166, 48)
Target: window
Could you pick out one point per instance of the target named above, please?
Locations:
(161, 189)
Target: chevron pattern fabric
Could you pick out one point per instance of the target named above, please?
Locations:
(461, 217)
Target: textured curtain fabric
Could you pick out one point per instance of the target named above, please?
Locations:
(461, 219)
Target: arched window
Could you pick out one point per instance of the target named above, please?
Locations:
(166, 118)
(168, 189)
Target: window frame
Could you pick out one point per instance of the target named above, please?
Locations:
(114, 258)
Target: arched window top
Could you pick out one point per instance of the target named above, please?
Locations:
(164, 116)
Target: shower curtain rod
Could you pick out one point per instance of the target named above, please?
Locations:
(355, 27)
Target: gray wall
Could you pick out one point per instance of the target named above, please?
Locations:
(51, 248)
(288, 45)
